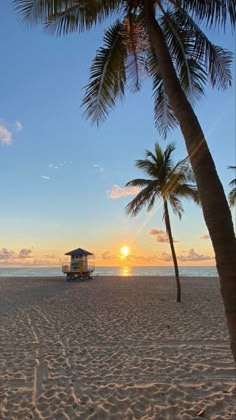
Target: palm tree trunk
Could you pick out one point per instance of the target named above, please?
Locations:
(168, 230)
(214, 204)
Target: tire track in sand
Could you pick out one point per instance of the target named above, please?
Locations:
(36, 378)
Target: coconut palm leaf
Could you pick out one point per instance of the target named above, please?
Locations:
(64, 16)
(214, 60)
(136, 42)
(176, 206)
(232, 197)
(212, 12)
(164, 117)
(232, 194)
(146, 197)
(191, 73)
(107, 75)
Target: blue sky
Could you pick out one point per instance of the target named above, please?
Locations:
(58, 172)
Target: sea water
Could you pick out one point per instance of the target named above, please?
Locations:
(112, 271)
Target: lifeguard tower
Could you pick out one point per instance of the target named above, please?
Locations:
(80, 266)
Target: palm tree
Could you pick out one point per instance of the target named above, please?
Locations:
(167, 181)
(232, 194)
(164, 39)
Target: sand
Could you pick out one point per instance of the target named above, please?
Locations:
(114, 348)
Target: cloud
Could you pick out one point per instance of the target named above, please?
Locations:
(98, 167)
(24, 258)
(44, 177)
(24, 253)
(160, 235)
(142, 258)
(6, 254)
(117, 192)
(107, 256)
(165, 257)
(18, 125)
(59, 165)
(189, 255)
(51, 256)
(5, 135)
(52, 166)
(206, 236)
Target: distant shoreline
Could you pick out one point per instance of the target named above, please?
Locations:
(193, 271)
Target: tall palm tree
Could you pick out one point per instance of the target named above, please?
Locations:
(232, 194)
(164, 39)
(168, 182)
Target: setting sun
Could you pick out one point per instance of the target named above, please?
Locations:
(125, 251)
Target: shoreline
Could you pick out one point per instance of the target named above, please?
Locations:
(114, 348)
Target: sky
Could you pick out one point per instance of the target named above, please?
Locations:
(63, 181)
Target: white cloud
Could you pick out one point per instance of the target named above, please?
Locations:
(5, 135)
(18, 125)
(52, 166)
(117, 192)
(59, 165)
(44, 177)
(98, 167)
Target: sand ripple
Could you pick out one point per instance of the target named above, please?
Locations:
(114, 348)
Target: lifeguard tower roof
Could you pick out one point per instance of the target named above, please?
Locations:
(78, 252)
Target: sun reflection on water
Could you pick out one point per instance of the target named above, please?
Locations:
(125, 271)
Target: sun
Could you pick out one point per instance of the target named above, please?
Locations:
(125, 251)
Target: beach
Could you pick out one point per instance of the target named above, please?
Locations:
(114, 348)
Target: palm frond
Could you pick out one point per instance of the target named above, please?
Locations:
(210, 59)
(212, 12)
(232, 197)
(64, 16)
(183, 168)
(232, 194)
(176, 205)
(139, 182)
(232, 183)
(147, 166)
(164, 117)
(146, 196)
(136, 42)
(187, 191)
(191, 73)
(107, 76)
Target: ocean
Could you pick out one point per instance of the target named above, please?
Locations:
(112, 271)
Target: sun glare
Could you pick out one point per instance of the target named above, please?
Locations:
(124, 251)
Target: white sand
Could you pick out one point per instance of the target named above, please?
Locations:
(114, 348)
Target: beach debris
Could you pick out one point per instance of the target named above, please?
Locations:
(201, 413)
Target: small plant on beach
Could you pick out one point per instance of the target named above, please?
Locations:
(232, 193)
(168, 182)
